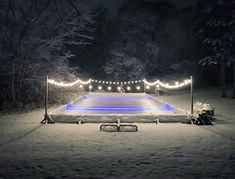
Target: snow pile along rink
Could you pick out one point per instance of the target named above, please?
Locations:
(119, 107)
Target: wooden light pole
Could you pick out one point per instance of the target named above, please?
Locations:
(47, 118)
(191, 94)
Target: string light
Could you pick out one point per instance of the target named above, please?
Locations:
(100, 87)
(90, 87)
(128, 88)
(138, 87)
(157, 83)
(118, 88)
(62, 84)
(166, 85)
(109, 88)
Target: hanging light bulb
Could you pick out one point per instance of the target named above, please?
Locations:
(109, 88)
(158, 86)
(100, 87)
(118, 88)
(147, 87)
(138, 87)
(128, 88)
(90, 87)
(81, 86)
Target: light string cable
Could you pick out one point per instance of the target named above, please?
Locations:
(62, 84)
(158, 83)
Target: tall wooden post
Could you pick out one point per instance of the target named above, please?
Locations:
(46, 97)
(191, 89)
(47, 118)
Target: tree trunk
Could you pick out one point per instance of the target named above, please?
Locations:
(222, 78)
(233, 79)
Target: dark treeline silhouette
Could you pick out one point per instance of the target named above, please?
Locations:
(141, 39)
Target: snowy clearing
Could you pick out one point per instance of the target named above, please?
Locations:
(32, 150)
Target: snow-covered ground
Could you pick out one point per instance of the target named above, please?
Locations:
(32, 150)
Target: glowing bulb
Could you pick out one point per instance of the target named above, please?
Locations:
(132, 81)
(81, 86)
(158, 86)
(138, 87)
(176, 83)
(128, 88)
(99, 82)
(147, 87)
(117, 82)
(90, 87)
(129, 82)
(118, 88)
(136, 81)
(103, 82)
(92, 80)
(100, 87)
(107, 82)
(124, 82)
(114, 82)
(109, 88)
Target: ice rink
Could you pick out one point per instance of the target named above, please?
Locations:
(111, 105)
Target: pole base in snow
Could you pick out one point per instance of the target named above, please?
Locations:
(47, 119)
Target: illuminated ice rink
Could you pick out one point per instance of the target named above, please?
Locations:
(117, 104)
